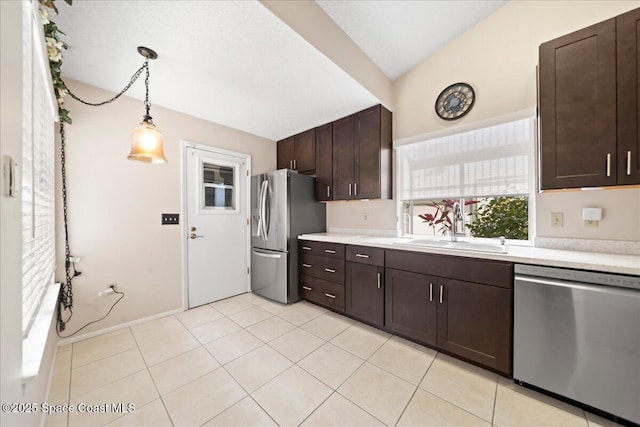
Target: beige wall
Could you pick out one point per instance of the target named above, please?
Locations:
(498, 58)
(115, 205)
(11, 389)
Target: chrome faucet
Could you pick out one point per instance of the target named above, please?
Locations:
(457, 225)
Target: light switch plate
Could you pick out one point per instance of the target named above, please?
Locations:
(10, 176)
(170, 218)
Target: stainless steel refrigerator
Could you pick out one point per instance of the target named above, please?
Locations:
(282, 207)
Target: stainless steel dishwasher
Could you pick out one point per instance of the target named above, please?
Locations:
(577, 334)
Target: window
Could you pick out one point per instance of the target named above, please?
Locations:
(38, 222)
(487, 171)
(219, 190)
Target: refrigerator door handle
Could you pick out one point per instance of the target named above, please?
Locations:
(263, 193)
(267, 255)
(267, 211)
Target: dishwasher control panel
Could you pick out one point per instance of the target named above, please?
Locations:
(579, 276)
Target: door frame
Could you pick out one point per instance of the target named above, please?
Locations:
(184, 144)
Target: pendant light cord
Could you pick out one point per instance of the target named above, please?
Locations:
(135, 76)
(65, 297)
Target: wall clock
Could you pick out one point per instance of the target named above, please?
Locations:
(455, 101)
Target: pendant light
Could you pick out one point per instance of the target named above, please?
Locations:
(147, 144)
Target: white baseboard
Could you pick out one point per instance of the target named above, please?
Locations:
(71, 340)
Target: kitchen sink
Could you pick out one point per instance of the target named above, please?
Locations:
(460, 244)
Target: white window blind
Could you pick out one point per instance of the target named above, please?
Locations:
(490, 161)
(38, 224)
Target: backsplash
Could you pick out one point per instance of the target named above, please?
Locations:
(589, 245)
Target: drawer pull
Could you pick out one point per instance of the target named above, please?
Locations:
(330, 296)
(330, 251)
(608, 164)
(306, 248)
(329, 270)
(378, 280)
(306, 288)
(362, 256)
(306, 265)
(628, 162)
(430, 292)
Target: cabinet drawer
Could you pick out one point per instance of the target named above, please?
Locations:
(366, 255)
(320, 267)
(488, 272)
(328, 294)
(327, 249)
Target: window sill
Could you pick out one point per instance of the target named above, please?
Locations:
(34, 344)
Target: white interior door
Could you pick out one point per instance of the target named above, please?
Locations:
(217, 230)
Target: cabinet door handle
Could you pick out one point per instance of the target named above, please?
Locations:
(430, 292)
(350, 189)
(306, 248)
(294, 164)
(329, 270)
(608, 164)
(362, 256)
(306, 265)
(378, 280)
(355, 189)
(328, 191)
(306, 288)
(330, 251)
(628, 162)
(290, 164)
(440, 294)
(330, 296)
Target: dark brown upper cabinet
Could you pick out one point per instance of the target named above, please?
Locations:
(298, 152)
(589, 103)
(362, 155)
(324, 162)
(628, 56)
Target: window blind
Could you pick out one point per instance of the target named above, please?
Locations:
(38, 186)
(491, 161)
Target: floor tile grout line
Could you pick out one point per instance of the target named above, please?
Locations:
(456, 406)
(318, 407)
(495, 402)
(406, 406)
(361, 408)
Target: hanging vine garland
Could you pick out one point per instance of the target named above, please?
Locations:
(55, 48)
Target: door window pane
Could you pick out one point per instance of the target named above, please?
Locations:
(218, 186)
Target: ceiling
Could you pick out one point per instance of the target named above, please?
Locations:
(397, 35)
(235, 63)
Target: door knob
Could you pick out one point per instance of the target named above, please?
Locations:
(194, 236)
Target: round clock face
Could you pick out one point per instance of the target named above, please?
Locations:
(455, 101)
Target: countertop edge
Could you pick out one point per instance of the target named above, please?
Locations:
(594, 261)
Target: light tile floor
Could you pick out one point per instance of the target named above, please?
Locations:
(247, 361)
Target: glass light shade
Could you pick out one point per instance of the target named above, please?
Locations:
(147, 144)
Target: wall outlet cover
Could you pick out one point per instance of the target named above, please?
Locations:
(557, 219)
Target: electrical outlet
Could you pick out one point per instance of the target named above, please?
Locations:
(590, 223)
(366, 217)
(556, 219)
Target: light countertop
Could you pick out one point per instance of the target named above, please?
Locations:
(609, 263)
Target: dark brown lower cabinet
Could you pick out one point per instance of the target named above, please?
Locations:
(411, 305)
(365, 293)
(474, 322)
